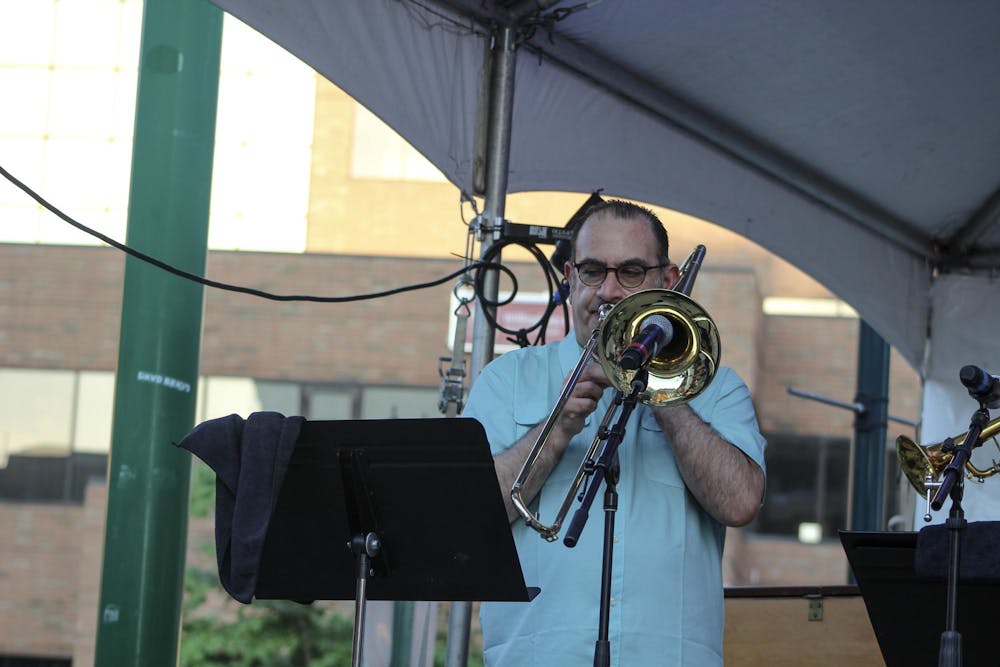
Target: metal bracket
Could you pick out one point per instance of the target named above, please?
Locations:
(815, 608)
(451, 397)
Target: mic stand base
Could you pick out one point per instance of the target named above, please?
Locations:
(951, 649)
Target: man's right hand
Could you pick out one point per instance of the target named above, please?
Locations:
(583, 400)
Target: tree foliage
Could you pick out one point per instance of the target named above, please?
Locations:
(268, 633)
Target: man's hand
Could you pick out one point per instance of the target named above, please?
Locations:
(581, 402)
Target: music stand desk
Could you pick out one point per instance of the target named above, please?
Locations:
(907, 611)
(427, 487)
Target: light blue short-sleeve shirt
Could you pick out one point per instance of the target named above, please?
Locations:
(666, 589)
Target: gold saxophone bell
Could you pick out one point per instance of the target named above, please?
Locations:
(678, 372)
(923, 466)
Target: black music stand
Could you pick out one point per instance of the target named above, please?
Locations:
(907, 611)
(396, 509)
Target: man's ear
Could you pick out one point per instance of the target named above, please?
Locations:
(564, 286)
(671, 274)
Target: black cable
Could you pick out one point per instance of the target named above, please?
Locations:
(555, 286)
(553, 280)
(237, 288)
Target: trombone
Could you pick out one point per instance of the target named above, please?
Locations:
(679, 371)
(923, 466)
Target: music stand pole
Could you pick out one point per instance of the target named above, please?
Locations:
(364, 547)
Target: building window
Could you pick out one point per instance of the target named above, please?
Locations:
(56, 425)
(50, 479)
(36, 412)
(28, 661)
(807, 479)
(808, 487)
(399, 403)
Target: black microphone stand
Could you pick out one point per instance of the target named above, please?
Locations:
(607, 470)
(953, 485)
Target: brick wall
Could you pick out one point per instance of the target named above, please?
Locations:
(39, 553)
(50, 575)
(59, 306)
(61, 309)
(90, 537)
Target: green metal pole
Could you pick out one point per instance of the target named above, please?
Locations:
(869, 431)
(402, 634)
(148, 478)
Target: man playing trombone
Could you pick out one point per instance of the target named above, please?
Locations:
(687, 470)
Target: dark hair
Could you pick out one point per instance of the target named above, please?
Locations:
(627, 211)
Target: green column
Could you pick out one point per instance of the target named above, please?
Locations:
(402, 633)
(144, 544)
(867, 496)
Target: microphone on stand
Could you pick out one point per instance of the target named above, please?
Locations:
(982, 386)
(654, 332)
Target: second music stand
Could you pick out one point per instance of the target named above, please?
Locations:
(395, 509)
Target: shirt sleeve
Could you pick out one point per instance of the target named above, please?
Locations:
(729, 409)
(488, 406)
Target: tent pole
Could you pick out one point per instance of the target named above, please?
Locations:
(157, 376)
(504, 58)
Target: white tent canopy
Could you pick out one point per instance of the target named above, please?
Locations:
(858, 140)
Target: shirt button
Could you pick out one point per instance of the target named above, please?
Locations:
(617, 539)
(613, 602)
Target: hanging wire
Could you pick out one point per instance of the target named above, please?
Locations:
(471, 273)
(238, 288)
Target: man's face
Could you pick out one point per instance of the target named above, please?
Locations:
(612, 242)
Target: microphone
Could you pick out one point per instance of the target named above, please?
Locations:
(654, 332)
(982, 386)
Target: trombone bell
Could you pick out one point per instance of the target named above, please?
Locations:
(922, 465)
(683, 367)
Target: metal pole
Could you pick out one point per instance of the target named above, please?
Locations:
(148, 478)
(855, 407)
(868, 475)
(402, 634)
(498, 158)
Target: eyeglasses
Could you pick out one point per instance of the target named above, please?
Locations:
(592, 274)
